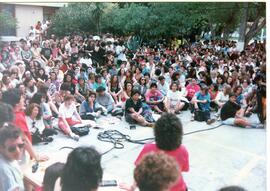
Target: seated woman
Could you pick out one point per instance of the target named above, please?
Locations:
(126, 93)
(36, 125)
(81, 90)
(114, 88)
(174, 103)
(133, 110)
(154, 99)
(68, 116)
(90, 109)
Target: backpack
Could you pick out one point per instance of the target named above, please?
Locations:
(80, 130)
(199, 115)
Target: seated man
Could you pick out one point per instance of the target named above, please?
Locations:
(134, 109)
(231, 114)
(11, 149)
(105, 99)
(201, 102)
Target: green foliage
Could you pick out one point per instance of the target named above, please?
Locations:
(78, 17)
(6, 22)
(154, 20)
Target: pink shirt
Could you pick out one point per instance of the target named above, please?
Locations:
(180, 155)
(192, 90)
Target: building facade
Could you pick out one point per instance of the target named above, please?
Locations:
(27, 15)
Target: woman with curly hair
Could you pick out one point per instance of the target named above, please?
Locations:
(168, 133)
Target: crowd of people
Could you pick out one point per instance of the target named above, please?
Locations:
(78, 78)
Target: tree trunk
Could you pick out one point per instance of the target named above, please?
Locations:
(242, 28)
(255, 29)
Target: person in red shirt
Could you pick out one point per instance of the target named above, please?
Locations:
(168, 133)
(192, 88)
(16, 100)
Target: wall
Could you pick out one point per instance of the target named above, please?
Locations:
(27, 16)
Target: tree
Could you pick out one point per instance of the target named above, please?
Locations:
(97, 14)
(256, 14)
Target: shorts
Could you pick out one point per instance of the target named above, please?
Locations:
(229, 121)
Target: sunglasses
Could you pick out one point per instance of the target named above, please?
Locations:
(12, 149)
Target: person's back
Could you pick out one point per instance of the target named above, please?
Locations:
(83, 171)
(168, 136)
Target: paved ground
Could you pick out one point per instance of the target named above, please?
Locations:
(223, 156)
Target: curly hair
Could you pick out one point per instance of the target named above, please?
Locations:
(82, 171)
(30, 108)
(156, 172)
(168, 132)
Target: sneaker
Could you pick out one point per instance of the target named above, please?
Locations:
(210, 121)
(192, 118)
(74, 136)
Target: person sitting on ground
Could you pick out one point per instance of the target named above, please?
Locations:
(168, 133)
(82, 171)
(192, 88)
(81, 90)
(156, 171)
(105, 100)
(11, 148)
(67, 111)
(222, 97)
(154, 99)
(36, 124)
(174, 101)
(201, 102)
(133, 109)
(90, 108)
(232, 114)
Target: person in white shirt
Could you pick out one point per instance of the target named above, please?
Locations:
(162, 85)
(174, 103)
(68, 116)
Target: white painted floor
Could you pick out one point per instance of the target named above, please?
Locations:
(223, 156)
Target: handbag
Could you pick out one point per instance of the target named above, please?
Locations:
(199, 115)
(80, 130)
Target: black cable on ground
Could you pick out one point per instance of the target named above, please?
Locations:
(116, 138)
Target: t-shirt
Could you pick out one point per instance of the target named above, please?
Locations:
(192, 90)
(67, 112)
(105, 100)
(173, 97)
(180, 155)
(46, 52)
(11, 177)
(20, 121)
(203, 106)
(229, 110)
(153, 96)
(131, 104)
